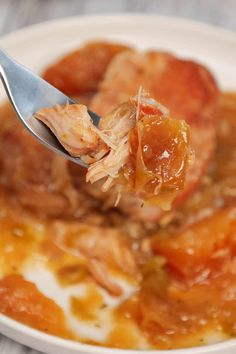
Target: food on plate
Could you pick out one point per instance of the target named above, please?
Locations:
(137, 147)
(132, 276)
(80, 72)
(106, 250)
(185, 87)
(21, 300)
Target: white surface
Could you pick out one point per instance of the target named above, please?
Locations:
(36, 47)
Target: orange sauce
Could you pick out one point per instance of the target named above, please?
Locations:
(19, 236)
(124, 335)
(87, 307)
(68, 269)
(22, 301)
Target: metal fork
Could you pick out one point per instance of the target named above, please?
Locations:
(28, 93)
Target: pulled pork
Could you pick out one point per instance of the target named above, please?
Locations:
(136, 147)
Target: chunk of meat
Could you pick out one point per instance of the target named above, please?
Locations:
(22, 301)
(81, 71)
(73, 127)
(186, 88)
(139, 148)
(203, 247)
(104, 249)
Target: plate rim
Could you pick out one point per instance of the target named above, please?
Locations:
(179, 21)
(93, 349)
(34, 334)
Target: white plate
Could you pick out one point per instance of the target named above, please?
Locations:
(39, 45)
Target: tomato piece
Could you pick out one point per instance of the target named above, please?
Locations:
(81, 71)
(159, 158)
(204, 245)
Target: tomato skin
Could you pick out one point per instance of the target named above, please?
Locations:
(81, 71)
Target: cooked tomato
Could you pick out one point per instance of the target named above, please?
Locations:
(202, 246)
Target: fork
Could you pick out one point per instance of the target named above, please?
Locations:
(28, 93)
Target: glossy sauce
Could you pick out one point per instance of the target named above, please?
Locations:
(19, 236)
(159, 165)
(87, 307)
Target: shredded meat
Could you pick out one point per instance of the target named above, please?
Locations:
(137, 146)
(73, 127)
(103, 248)
(186, 88)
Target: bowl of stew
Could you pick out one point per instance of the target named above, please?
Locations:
(81, 273)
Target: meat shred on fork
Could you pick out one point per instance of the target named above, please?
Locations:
(137, 146)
